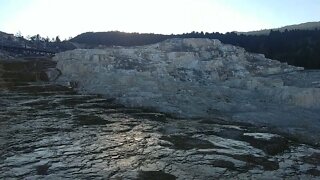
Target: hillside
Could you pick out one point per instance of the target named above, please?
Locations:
(116, 38)
(35, 42)
(198, 78)
(302, 26)
(296, 47)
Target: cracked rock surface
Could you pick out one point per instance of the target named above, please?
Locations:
(51, 132)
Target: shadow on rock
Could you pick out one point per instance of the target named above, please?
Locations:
(91, 120)
(313, 159)
(271, 144)
(155, 175)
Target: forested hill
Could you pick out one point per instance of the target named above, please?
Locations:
(302, 26)
(297, 47)
(116, 38)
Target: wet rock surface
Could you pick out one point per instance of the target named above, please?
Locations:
(51, 132)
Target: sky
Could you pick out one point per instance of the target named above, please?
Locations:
(68, 18)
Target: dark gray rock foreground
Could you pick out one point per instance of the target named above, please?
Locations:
(51, 132)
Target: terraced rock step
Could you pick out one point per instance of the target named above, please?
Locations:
(51, 132)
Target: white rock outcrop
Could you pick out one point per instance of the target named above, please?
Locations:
(200, 78)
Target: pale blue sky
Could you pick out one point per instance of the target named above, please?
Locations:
(71, 17)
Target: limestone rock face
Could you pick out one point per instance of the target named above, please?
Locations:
(200, 78)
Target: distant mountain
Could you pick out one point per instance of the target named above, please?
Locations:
(302, 26)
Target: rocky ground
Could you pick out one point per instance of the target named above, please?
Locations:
(49, 131)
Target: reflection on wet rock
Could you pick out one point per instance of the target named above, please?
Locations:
(185, 143)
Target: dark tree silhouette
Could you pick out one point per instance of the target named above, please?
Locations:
(57, 39)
